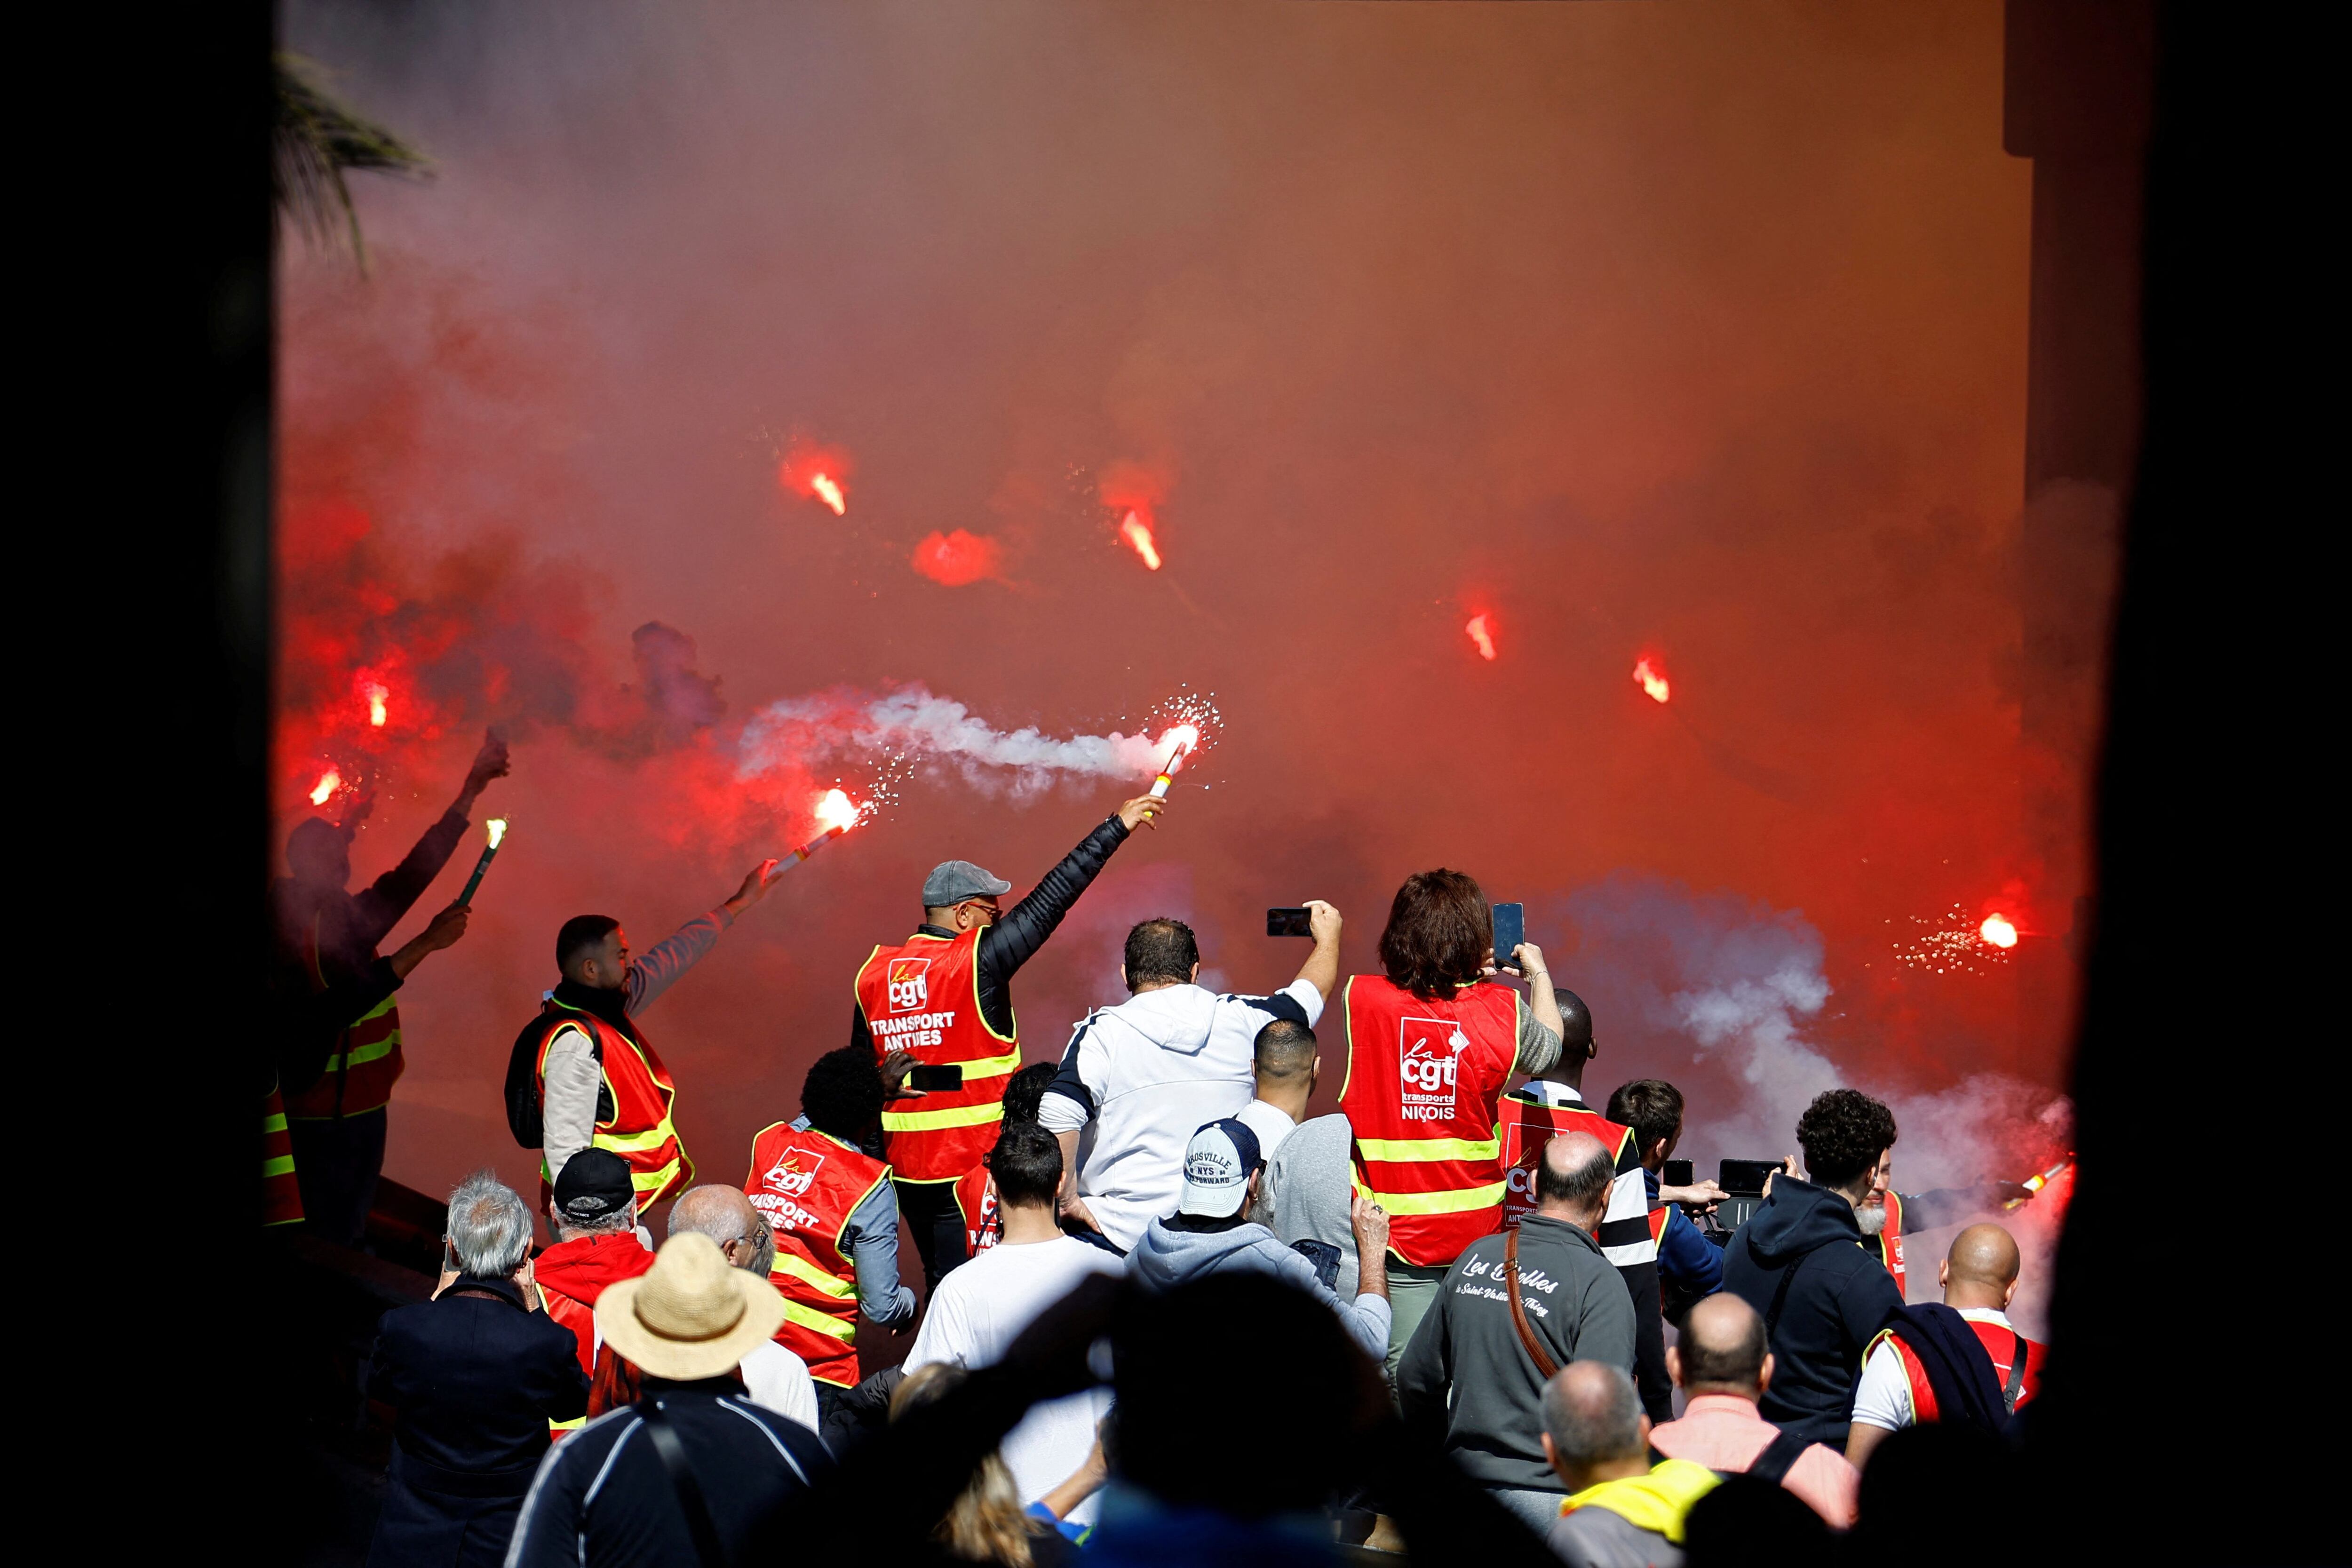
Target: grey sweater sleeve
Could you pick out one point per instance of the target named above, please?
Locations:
(567, 1107)
(1604, 1328)
(660, 967)
(874, 1247)
(1538, 1044)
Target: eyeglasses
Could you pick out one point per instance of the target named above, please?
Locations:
(989, 909)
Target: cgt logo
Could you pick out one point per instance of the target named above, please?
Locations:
(792, 1174)
(911, 985)
(1428, 1052)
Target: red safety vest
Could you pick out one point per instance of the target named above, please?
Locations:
(364, 1065)
(923, 995)
(807, 1184)
(634, 1117)
(1423, 1079)
(572, 1275)
(1999, 1342)
(1658, 1217)
(982, 1227)
(1526, 1127)
(1888, 1242)
(281, 1194)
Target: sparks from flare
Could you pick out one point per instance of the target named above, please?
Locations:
(1953, 943)
(1482, 635)
(329, 783)
(1998, 930)
(1650, 679)
(1137, 533)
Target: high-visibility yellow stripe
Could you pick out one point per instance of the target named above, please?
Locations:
(274, 1122)
(810, 1318)
(1456, 1201)
(375, 1050)
(632, 1143)
(992, 1067)
(801, 1268)
(654, 1180)
(290, 1219)
(1405, 1151)
(281, 1166)
(379, 1009)
(573, 1424)
(926, 1120)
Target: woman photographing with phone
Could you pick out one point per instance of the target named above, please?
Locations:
(1430, 1043)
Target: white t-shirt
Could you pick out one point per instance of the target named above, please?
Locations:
(1882, 1397)
(1271, 1126)
(777, 1380)
(975, 1315)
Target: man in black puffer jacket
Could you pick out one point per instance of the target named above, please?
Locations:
(1799, 1261)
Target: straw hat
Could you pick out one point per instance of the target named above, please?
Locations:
(692, 1314)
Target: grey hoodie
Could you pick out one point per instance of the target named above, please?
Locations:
(1167, 1258)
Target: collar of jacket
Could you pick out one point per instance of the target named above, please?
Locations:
(613, 1006)
(504, 1290)
(1658, 1501)
(1559, 1229)
(942, 933)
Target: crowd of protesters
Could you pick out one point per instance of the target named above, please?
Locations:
(1167, 1316)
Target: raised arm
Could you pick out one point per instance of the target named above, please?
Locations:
(663, 965)
(392, 895)
(1012, 942)
(1321, 969)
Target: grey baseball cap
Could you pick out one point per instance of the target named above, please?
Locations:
(953, 881)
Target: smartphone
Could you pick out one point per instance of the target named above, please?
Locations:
(1677, 1174)
(1745, 1176)
(930, 1079)
(1289, 923)
(1510, 930)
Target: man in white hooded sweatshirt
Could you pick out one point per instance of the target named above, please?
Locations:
(1136, 1079)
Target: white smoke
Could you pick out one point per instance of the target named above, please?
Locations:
(912, 728)
(1716, 993)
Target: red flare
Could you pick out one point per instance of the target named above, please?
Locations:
(1137, 533)
(1482, 635)
(377, 696)
(826, 491)
(1998, 930)
(1650, 678)
(957, 559)
(835, 811)
(820, 473)
(329, 783)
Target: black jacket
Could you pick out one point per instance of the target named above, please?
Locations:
(749, 1463)
(1803, 1250)
(1013, 941)
(473, 1380)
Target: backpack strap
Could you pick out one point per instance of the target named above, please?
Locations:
(2016, 1374)
(1780, 1295)
(672, 1453)
(1544, 1365)
(1780, 1455)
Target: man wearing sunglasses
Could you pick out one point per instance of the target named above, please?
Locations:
(942, 999)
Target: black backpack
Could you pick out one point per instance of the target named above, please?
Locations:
(522, 1081)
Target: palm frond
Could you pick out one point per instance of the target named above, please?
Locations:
(316, 140)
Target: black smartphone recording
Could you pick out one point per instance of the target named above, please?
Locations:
(1510, 930)
(1289, 923)
(1745, 1177)
(1677, 1174)
(929, 1080)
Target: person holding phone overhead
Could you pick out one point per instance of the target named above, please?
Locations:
(1431, 1042)
(942, 999)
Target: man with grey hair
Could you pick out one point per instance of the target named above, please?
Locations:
(474, 1376)
(773, 1376)
(1620, 1512)
(1514, 1308)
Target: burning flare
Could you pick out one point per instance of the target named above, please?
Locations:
(329, 783)
(826, 491)
(1179, 741)
(1137, 533)
(377, 696)
(1482, 635)
(2039, 1180)
(1998, 930)
(835, 811)
(494, 830)
(1650, 678)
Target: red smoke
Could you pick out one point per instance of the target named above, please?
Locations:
(958, 559)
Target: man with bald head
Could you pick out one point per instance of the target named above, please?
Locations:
(1902, 1374)
(773, 1376)
(1723, 1368)
(1620, 1510)
(1471, 1378)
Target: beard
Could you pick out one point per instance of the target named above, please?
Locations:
(1872, 1217)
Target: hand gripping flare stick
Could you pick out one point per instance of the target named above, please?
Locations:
(494, 830)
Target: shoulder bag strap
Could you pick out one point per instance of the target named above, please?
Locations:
(1778, 1456)
(1544, 1365)
(2016, 1374)
(672, 1453)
